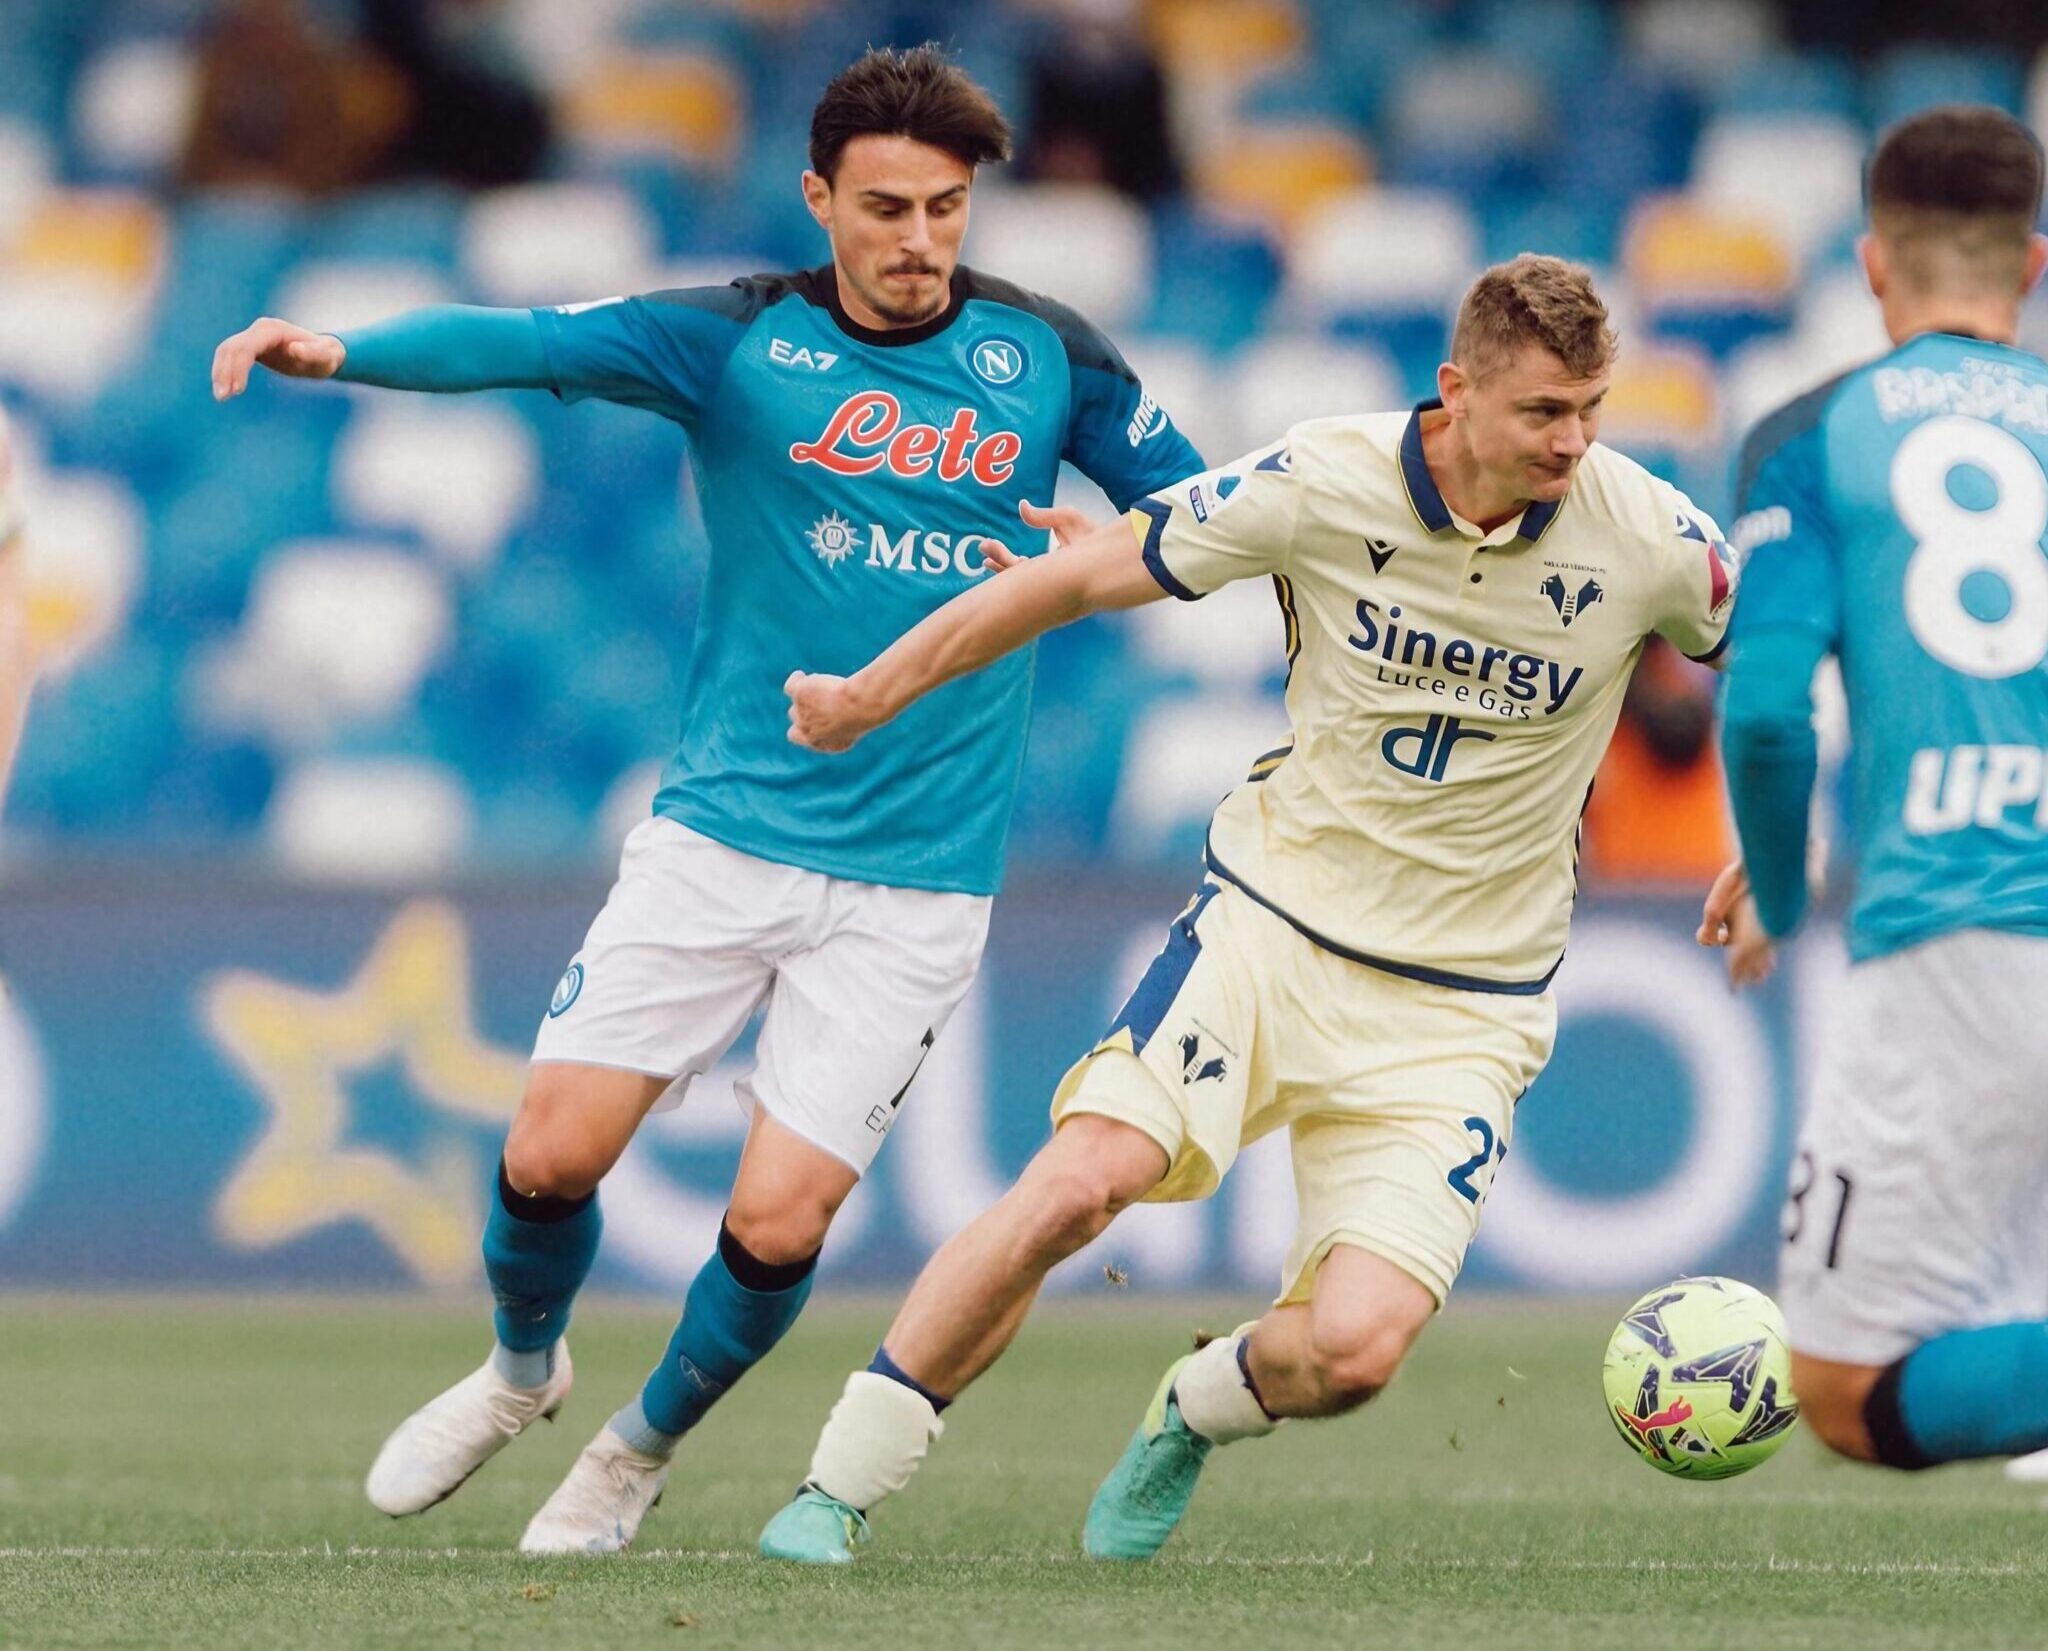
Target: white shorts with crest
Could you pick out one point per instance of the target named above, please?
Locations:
(858, 980)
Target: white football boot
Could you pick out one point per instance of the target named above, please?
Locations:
(598, 1508)
(448, 1438)
(2031, 1469)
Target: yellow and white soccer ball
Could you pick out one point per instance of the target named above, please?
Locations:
(1698, 1378)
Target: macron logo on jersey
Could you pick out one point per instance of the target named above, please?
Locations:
(868, 432)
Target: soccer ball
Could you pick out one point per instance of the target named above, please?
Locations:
(1699, 1378)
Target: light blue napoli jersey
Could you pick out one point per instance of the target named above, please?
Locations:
(849, 479)
(1898, 513)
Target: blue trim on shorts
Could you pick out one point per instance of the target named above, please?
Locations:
(1407, 971)
(1163, 978)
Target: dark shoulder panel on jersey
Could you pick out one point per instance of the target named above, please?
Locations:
(1790, 421)
(1117, 435)
(665, 351)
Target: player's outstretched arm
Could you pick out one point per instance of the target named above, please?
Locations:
(447, 348)
(1100, 569)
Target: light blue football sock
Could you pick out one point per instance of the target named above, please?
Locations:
(537, 1253)
(738, 1308)
(1967, 1394)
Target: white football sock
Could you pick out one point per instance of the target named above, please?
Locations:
(873, 1441)
(1213, 1397)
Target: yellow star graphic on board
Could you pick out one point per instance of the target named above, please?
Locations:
(296, 1046)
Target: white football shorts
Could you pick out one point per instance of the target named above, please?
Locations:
(859, 980)
(1921, 1174)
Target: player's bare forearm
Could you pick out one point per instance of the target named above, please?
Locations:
(1099, 571)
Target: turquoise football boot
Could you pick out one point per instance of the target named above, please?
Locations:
(815, 1529)
(1147, 1491)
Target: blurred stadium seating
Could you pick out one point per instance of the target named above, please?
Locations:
(210, 579)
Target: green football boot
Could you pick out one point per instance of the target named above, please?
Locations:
(815, 1529)
(1147, 1491)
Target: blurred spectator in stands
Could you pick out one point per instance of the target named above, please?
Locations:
(474, 117)
(423, 92)
(1098, 105)
(284, 105)
(1658, 813)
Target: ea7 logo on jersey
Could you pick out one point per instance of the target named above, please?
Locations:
(868, 432)
(786, 354)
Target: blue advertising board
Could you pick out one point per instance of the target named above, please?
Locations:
(211, 1081)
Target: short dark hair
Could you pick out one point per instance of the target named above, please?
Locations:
(921, 94)
(1962, 180)
(1533, 300)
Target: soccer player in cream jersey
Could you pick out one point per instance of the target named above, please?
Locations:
(1895, 517)
(1465, 590)
(863, 434)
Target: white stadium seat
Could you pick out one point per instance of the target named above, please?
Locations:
(1384, 252)
(557, 243)
(82, 557)
(1804, 173)
(338, 634)
(1234, 637)
(133, 104)
(1087, 246)
(1184, 756)
(1283, 379)
(335, 294)
(459, 473)
(1704, 45)
(369, 819)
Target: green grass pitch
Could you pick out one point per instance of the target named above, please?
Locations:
(186, 1473)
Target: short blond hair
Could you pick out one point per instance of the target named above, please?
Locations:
(1533, 300)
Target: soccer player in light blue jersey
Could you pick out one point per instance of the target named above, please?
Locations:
(1894, 518)
(864, 435)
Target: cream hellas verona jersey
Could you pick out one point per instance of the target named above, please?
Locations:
(1450, 692)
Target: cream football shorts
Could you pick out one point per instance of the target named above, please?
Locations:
(1398, 1096)
(1921, 1174)
(858, 980)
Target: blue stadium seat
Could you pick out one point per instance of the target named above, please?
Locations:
(1912, 78)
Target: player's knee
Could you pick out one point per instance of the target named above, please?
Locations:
(1067, 1209)
(1836, 1420)
(788, 1228)
(1352, 1363)
(550, 1163)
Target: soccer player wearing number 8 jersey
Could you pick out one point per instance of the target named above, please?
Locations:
(1465, 590)
(1894, 518)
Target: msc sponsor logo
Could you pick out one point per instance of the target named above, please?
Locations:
(832, 537)
(998, 361)
(1503, 681)
(867, 432)
(914, 550)
(1147, 421)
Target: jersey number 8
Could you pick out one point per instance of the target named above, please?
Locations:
(1952, 543)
